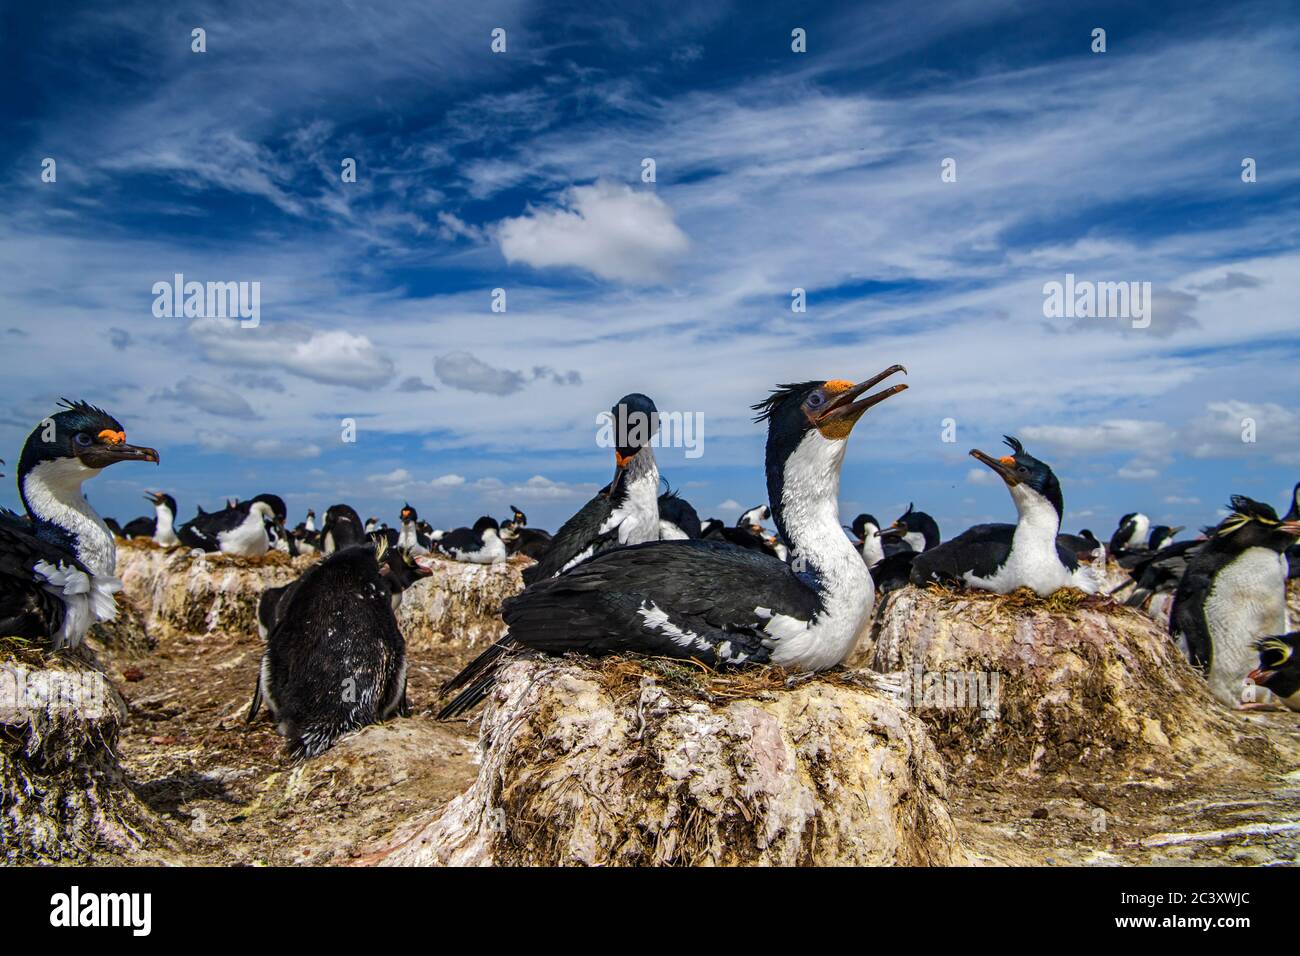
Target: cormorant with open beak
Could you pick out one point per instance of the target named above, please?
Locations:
(1003, 557)
(624, 512)
(708, 600)
(58, 563)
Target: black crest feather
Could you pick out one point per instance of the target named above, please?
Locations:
(1014, 444)
(780, 395)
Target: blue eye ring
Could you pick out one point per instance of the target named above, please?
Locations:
(815, 399)
(82, 439)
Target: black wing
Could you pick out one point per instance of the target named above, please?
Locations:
(696, 599)
(203, 530)
(580, 533)
(980, 550)
(1121, 535)
(27, 609)
(679, 511)
(140, 528)
(893, 572)
(1187, 616)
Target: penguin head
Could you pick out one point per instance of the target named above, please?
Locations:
(397, 566)
(83, 439)
(1024, 474)
(1254, 524)
(1293, 513)
(1279, 665)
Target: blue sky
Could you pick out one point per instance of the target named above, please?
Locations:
(522, 170)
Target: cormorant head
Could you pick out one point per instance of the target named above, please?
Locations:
(1021, 470)
(635, 421)
(811, 420)
(160, 498)
(279, 512)
(519, 519)
(85, 437)
(486, 523)
(408, 513)
(864, 525)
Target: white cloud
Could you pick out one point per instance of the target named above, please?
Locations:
(606, 229)
(270, 448)
(335, 356)
(210, 398)
(1101, 437)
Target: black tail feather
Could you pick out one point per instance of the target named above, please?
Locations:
(477, 679)
(257, 699)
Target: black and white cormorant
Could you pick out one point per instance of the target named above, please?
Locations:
(481, 544)
(711, 601)
(1234, 593)
(335, 659)
(1279, 668)
(411, 538)
(678, 519)
(1003, 557)
(624, 512)
(521, 539)
(1132, 534)
(916, 529)
(244, 528)
(58, 561)
(161, 527)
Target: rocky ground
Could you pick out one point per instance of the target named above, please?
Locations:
(215, 790)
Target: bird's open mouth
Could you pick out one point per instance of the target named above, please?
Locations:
(1005, 467)
(424, 564)
(1292, 528)
(845, 409)
(1260, 676)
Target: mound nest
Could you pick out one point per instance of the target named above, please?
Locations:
(626, 762)
(64, 793)
(1049, 685)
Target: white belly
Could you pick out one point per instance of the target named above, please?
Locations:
(248, 539)
(1247, 601)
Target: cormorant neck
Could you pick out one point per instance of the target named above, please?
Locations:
(803, 493)
(51, 493)
(1038, 516)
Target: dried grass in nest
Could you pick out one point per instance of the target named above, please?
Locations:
(138, 544)
(623, 675)
(1066, 601)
